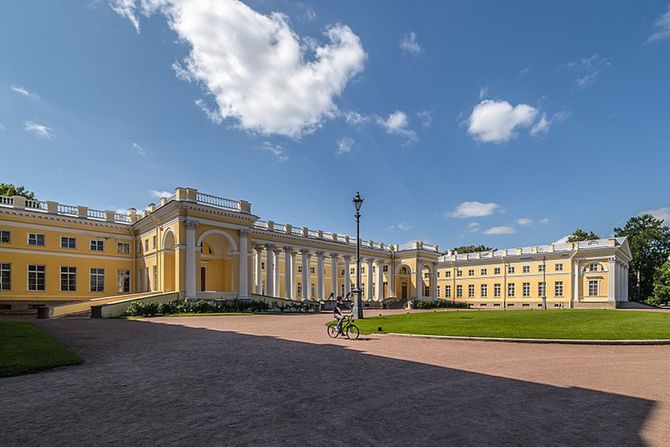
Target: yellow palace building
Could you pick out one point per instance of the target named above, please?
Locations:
(196, 245)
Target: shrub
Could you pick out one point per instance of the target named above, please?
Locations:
(439, 304)
(144, 308)
(151, 308)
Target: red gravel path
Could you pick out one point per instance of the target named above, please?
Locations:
(278, 380)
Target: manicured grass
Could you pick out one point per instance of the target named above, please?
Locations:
(567, 324)
(25, 348)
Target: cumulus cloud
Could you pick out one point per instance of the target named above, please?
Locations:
(498, 121)
(544, 220)
(23, 92)
(473, 227)
(659, 213)
(499, 230)
(409, 44)
(344, 145)
(275, 149)
(160, 194)
(588, 69)
(138, 149)
(540, 127)
(256, 69)
(400, 227)
(524, 222)
(662, 27)
(38, 129)
(483, 91)
(397, 123)
(474, 209)
(355, 119)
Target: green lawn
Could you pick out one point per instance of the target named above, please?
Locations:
(25, 348)
(568, 324)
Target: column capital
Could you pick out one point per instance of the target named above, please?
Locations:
(270, 246)
(305, 251)
(334, 255)
(190, 224)
(319, 254)
(244, 232)
(347, 257)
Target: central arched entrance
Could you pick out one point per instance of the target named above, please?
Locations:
(169, 262)
(217, 263)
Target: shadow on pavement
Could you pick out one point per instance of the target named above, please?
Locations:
(156, 383)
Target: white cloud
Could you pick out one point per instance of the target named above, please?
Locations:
(544, 220)
(309, 13)
(275, 149)
(425, 117)
(588, 69)
(474, 209)
(408, 44)
(662, 26)
(23, 92)
(524, 71)
(139, 149)
(502, 229)
(483, 91)
(473, 227)
(499, 121)
(355, 119)
(344, 145)
(259, 72)
(160, 194)
(525, 222)
(397, 123)
(659, 213)
(400, 227)
(38, 129)
(543, 125)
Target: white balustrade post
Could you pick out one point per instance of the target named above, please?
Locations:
(320, 276)
(368, 293)
(305, 274)
(333, 274)
(288, 272)
(190, 259)
(269, 270)
(244, 265)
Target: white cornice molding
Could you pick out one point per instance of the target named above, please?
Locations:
(67, 230)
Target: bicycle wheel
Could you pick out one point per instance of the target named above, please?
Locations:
(332, 330)
(353, 332)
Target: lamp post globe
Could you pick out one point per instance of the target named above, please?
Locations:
(358, 305)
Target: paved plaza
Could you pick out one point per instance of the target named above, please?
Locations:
(278, 380)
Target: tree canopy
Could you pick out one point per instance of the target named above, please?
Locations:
(661, 285)
(649, 243)
(581, 235)
(7, 189)
(471, 248)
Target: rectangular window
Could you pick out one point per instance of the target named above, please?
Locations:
(541, 290)
(352, 270)
(471, 290)
(459, 272)
(447, 274)
(540, 268)
(426, 290)
(496, 271)
(68, 242)
(5, 276)
(496, 290)
(459, 291)
(510, 289)
(68, 279)
(510, 269)
(123, 248)
(386, 269)
(438, 292)
(123, 281)
(5, 236)
(97, 245)
(263, 267)
(35, 239)
(299, 267)
(558, 267)
(36, 278)
(311, 270)
(593, 287)
(484, 272)
(97, 280)
(471, 272)
(526, 269)
(299, 289)
(593, 267)
(558, 288)
(362, 270)
(313, 291)
(447, 291)
(342, 272)
(153, 242)
(525, 289)
(146, 245)
(484, 290)
(155, 271)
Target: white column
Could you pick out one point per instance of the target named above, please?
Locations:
(347, 274)
(190, 259)
(276, 277)
(269, 271)
(390, 277)
(575, 282)
(379, 282)
(625, 284)
(333, 274)
(368, 292)
(611, 280)
(288, 272)
(305, 274)
(258, 250)
(433, 283)
(320, 276)
(244, 265)
(419, 281)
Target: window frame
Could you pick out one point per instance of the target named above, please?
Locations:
(69, 239)
(8, 233)
(37, 239)
(558, 284)
(511, 289)
(595, 282)
(95, 243)
(525, 289)
(43, 272)
(99, 272)
(6, 267)
(70, 282)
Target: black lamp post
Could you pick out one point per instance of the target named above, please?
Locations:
(358, 305)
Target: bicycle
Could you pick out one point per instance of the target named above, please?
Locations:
(348, 329)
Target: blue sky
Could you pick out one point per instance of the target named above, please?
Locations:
(487, 122)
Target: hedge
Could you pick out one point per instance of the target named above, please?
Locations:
(153, 308)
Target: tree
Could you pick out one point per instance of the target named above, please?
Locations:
(472, 248)
(7, 189)
(581, 235)
(661, 285)
(649, 243)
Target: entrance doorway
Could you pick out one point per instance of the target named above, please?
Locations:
(403, 289)
(203, 279)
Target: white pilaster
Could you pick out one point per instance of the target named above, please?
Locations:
(305, 274)
(611, 280)
(433, 282)
(333, 274)
(276, 277)
(243, 265)
(269, 271)
(190, 258)
(575, 281)
(347, 275)
(391, 281)
(379, 284)
(258, 250)
(288, 272)
(368, 284)
(625, 287)
(419, 281)
(320, 276)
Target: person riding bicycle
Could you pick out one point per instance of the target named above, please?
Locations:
(337, 313)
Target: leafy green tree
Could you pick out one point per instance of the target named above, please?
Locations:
(472, 248)
(649, 243)
(661, 285)
(7, 189)
(581, 235)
